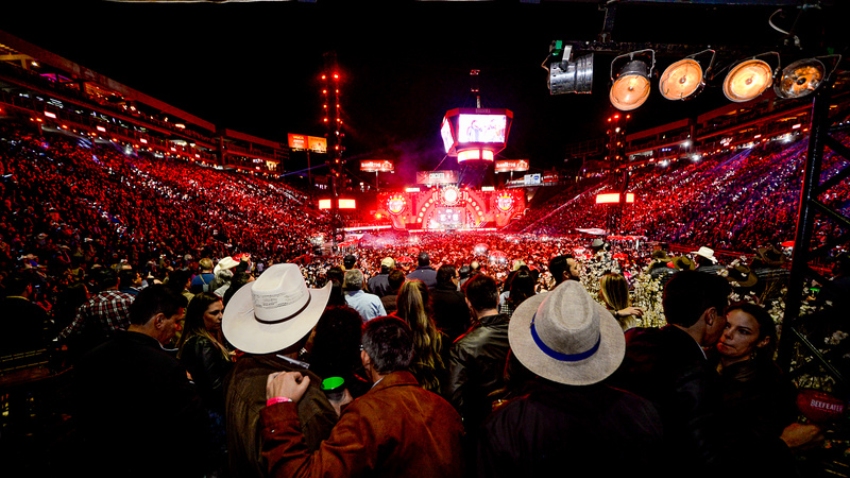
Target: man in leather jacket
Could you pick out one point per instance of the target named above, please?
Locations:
(477, 358)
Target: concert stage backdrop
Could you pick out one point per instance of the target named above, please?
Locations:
(450, 208)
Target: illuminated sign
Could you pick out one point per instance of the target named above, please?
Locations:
(505, 201)
(317, 145)
(343, 204)
(376, 165)
(297, 141)
(613, 198)
(396, 203)
(473, 154)
(532, 179)
(436, 177)
(505, 165)
(301, 142)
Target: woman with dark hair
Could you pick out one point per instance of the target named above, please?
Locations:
(759, 402)
(201, 348)
(202, 351)
(451, 314)
(335, 275)
(414, 307)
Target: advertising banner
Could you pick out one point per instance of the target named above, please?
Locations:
(376, 165)
(506, 165)
(436, 177)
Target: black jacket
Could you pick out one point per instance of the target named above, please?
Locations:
(555, 428)
(208, 367)
(476, 368)
(668, 367)
(758, 403)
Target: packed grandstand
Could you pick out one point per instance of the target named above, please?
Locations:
(106, 186)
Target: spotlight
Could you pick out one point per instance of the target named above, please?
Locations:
(684, 79)
(800, 78)
(631, 88)
(747, 80)
(566, 76)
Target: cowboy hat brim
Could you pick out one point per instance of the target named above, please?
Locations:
(597, 367)
(248, 334)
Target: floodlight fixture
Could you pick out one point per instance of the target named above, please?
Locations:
(800, 78)
(631, 87)
(748, 79)
(684, 79)
(569, 73)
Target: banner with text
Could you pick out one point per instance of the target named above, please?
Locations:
(506, 165)
(376, 165)
(436, 177)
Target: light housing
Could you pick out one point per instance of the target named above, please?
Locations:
(748, 79)
(567, 76)
(800, 78)
(684, 79)
(631, 87)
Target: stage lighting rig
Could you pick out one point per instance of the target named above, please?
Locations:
(630, 87)
(568, 73)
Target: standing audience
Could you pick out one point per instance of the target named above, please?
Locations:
(139, 415)
(396, 429)
(568, 413)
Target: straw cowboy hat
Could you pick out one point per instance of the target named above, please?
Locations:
(274, 311)
(566, 336)
(706, 252)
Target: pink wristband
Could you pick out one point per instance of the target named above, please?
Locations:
(275, 400)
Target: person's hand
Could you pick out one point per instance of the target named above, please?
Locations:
(797, 435)
(636, 311)
(292, 385)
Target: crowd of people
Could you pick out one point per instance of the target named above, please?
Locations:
(737, 200)
(191, 308)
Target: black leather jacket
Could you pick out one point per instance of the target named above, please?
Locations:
(476, 368)
(208, 367)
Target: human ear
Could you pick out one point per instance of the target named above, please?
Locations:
(158, 320)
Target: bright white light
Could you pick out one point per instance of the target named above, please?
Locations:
(665, 162)
(696, 157)
(686, 143)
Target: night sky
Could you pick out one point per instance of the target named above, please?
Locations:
(254, 67)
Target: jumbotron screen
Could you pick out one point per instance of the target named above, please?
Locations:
(478, 128)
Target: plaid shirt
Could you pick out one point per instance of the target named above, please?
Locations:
(108, 310)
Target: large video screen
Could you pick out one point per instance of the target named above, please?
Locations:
(473, 128)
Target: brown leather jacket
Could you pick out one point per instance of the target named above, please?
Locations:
(245, 396)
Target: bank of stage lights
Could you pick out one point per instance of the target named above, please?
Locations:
(684, 79)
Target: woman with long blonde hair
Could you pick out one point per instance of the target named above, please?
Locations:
(614, 292)
(414, 307)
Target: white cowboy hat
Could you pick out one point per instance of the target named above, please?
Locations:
(566, 336)
(706, 252)
(225, 263)
(274, 311)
